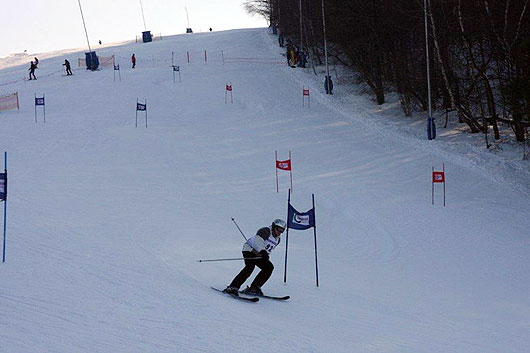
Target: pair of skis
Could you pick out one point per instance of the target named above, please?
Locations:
(252, 299)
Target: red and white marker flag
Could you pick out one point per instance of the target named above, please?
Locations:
(283, 165)
(438, 177)
(305, 93)
(228, 89)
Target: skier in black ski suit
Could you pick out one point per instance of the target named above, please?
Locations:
(32, 71)
(256, 252)
(67, 67)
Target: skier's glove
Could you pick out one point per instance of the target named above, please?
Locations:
(264, 254)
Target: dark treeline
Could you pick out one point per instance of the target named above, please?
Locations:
(479, 51)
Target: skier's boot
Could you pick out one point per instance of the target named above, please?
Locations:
(231, 290)
(253, 290)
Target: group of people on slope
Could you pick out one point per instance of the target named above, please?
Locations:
(67, 67)
(295, 56)
(33, 66)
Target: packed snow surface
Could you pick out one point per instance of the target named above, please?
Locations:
(106, 221)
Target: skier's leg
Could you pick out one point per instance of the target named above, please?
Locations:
(245, 273)
(266, 271)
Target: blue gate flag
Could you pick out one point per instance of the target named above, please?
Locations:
(39, 101)
(141, 107)
(176, 68)
(3, 186)
(300, 220)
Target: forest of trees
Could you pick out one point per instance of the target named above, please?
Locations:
(479, 52)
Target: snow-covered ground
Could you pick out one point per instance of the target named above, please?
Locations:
(106, 221)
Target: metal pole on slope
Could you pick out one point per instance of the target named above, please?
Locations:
(84, 25)
(286, 238)
(187, 17)
(5, 207)
(431, 128)
(328, 91)
(301, 38)
(142, 8)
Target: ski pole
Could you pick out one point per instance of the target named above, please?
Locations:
(237, 258)
(233, 220)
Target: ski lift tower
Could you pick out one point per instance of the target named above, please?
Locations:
(188, 30)
(146, 35)
(92, 61)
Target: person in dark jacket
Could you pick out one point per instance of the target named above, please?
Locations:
(256, 253)
(32, 71)
(328, 85)
(133, 60)
(67, 67)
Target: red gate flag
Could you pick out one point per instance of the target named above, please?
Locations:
(284, 165)
(306, 92)
(229, 88)
(438, 177)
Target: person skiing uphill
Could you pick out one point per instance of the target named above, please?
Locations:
(32, 71)
(67, 67)
(256, 252)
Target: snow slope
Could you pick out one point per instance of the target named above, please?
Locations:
(106, 221)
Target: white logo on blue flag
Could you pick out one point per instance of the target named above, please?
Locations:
(300, 220)
(141, 107)
(39, 101)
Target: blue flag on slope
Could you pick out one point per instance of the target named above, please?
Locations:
(300, 220)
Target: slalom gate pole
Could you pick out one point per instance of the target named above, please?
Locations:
(432, 188)
(291, 170)
(240, 231)
(233, 259)
(286, 239)
(276, 169)
(443, 170)
(315, 236)
(5, 209)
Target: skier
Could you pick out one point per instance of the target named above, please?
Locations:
(67, 67)
(32, 71)
(133, 60)
(256, 252)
